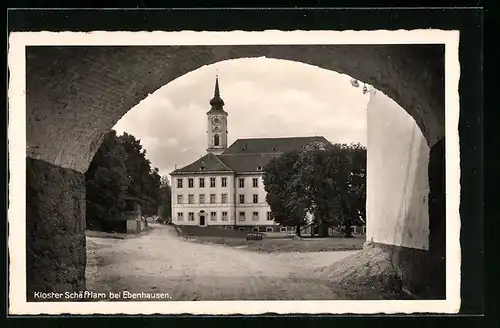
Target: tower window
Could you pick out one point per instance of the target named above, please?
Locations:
(216, 140)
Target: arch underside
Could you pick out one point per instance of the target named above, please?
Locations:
(76, 94)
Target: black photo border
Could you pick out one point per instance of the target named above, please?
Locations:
(469, 21)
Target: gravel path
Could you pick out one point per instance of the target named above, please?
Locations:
(162, 262)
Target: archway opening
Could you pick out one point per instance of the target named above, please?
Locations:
(75, 152)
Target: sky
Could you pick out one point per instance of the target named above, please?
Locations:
(264, 98)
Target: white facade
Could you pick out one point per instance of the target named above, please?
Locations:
(241, 201)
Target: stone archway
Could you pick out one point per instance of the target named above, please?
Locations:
(76, 94)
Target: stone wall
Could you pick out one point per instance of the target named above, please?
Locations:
(55, 228)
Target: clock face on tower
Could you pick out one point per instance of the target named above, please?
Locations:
(216, 120)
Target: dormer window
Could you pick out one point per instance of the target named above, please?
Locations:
(202, 168)
(274, 148)
(259, 168)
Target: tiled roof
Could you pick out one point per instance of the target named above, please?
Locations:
(208, 163)
(241, 163)
(271, 145)
(249, 155)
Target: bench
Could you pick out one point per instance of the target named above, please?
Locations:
(255, 236)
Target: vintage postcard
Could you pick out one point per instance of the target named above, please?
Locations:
(234, 172)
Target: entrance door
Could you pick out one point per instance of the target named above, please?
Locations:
(202, 220)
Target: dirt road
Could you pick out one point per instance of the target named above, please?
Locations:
(162, 262)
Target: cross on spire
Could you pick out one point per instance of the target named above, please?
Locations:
(216, 101)
(217, 93)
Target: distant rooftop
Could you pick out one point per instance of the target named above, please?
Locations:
(272, 145)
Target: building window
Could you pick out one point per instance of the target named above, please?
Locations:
(216, 140)
(283, 229)
(190, 199)
(223, 199)
(242, 199)
(180, 199)
(190, 183)
(269, 216)
(202, 198)
(269, 229)
(212, 182)
(191, 216)
(202, 182)
(255, 182)
(255, 229)
(259, 168)
(242, 229)
(223, 182)
(180, 216)
(179, 183)
(255, 198)
(213, 216)
(241, 216)
(224, 216)
(255, 216)
(212, 198)
(241, 182)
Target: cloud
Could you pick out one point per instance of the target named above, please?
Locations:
(264, 98)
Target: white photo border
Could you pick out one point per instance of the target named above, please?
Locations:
(17, 166)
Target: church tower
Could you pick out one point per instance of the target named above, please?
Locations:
(217, 123)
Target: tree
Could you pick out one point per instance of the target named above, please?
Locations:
(285, 194)
(336, 178)
(165, 208)
(145, 180)
(120, 170)
(106, 182)
(327, 182)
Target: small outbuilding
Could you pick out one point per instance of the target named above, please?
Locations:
(129, 221)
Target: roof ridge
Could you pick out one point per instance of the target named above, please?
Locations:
(217, 156)
(246, 154)
(260, 138)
